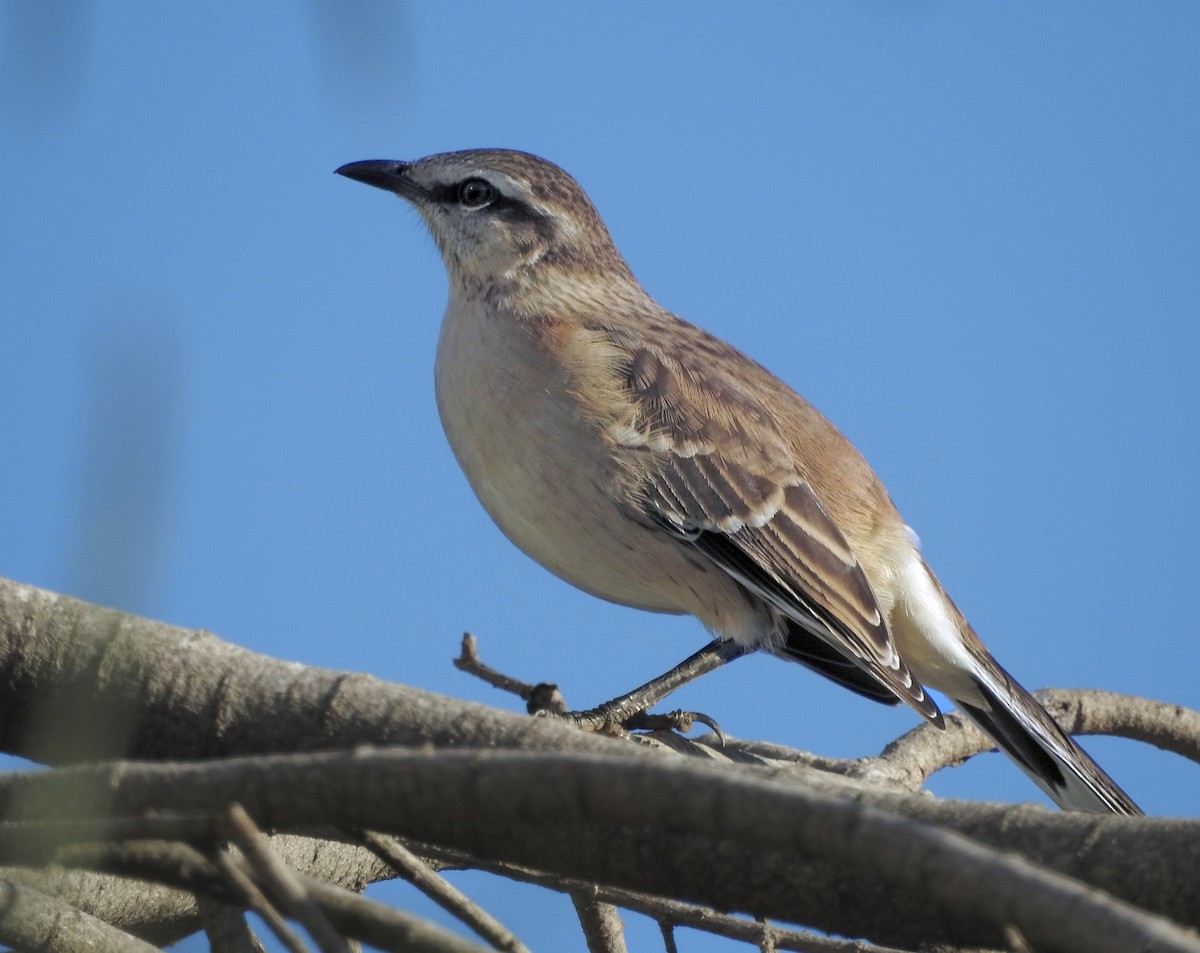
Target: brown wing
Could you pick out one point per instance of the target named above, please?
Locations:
(719, 475)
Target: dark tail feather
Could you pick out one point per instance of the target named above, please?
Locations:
(1025, 731)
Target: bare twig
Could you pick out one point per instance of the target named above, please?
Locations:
(226, 928)
(768, 937)
(255, 900)
(543, 696)
(417, 872)
(601, 922)
(618, 717)
(914, 756)
(910, 759)
(670, 913)
(182, 866)
(282, 883)
(383, 927)
(1092, 712)
(122, 884)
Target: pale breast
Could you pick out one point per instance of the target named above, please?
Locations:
(538, 467)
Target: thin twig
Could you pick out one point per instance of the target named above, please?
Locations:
(226, 928)
(669, 913)
(182, 867)
(768, 939)
(384, 927)
(543, 696)
(282, 883)
(257, 901)
(417, 872)
(617, 717)
(1090, 711)
(910, 759)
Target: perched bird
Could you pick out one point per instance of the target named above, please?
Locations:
(647, 462)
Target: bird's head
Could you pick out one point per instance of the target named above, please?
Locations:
(500, 217)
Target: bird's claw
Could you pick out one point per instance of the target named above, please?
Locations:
(611, 721)
(678, 720)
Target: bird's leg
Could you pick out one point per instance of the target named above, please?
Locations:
(629, 711)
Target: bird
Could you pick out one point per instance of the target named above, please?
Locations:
(649, 463)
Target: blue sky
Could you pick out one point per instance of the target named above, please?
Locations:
(970, 233)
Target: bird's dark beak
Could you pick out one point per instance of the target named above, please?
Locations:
(383, 174)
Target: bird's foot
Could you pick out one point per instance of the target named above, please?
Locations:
(630, 712)
(616, 718)
(677, 720)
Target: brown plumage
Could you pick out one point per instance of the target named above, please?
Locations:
(650, 463)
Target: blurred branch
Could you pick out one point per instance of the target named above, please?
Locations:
(44, 53)
(227, 929)
(369, 70)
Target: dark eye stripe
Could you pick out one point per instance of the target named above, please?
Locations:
(501, 204)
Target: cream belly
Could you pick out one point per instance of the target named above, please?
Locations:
(505, 411)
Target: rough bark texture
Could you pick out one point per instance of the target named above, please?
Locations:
(845, 847)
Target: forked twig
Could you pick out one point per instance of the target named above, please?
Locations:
(543, 696)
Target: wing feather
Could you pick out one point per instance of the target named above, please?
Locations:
(719, 475)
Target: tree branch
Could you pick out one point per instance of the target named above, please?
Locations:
(755, 828)
(31, 920)
(787, 844)
(281, 884)
(413, 869)
(601, 922)
(909, 760)
(184, 693)
(163, 915)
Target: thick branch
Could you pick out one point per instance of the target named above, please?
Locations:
(31, 920)
(157, 914)
(784, 846)
(66, 665)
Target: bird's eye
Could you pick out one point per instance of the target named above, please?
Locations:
(476, 193)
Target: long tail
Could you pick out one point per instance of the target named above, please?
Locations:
(1025, 731)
